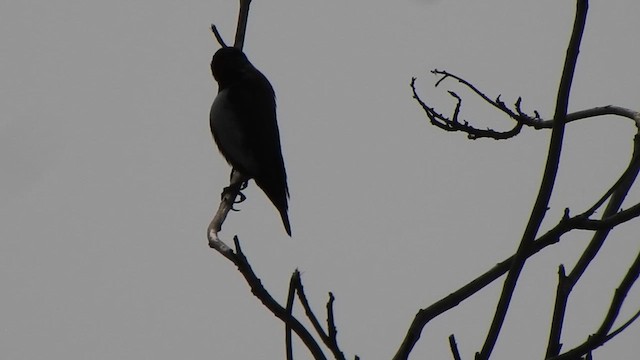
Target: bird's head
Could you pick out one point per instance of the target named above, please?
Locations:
(228, 64)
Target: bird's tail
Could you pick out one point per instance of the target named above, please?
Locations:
(279, 200)
(285, 220)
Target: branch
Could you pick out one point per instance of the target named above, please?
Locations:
(566, 284)
(241, 30)
(623, 326)
(228, 198)
(287, 330)
(548, 181)
(219, 38)
(238, 258)
(600, 337)
(330, 339)
(454, 124)
(593, 112)
(553, 236)
(454, 347)
(517, 114)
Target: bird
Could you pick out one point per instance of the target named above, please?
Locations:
(244, 126)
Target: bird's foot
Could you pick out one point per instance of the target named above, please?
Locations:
(235, 189)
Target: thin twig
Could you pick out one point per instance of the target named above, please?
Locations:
(454, 347)
(331, 323)
(329, 339)
(219, 38)
(287, 329)
(454, 124)
(305, 305)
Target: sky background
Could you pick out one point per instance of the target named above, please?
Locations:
(110, 175)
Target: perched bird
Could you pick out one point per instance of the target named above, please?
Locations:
(244, 126)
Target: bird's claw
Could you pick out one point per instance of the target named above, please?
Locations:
(241, 197)
(235, 189)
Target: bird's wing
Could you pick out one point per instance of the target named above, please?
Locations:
(230, 135)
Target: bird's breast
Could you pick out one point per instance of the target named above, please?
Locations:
(230, 136)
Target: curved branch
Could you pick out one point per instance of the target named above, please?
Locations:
(517, 115)
(623, 326)
(454, 124)
(522, 119)
(228, 198)
(594, 112)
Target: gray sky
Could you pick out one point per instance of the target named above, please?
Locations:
(110, 175)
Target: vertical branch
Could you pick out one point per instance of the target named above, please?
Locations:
(329, 339)
(566, 284)
(454, 347)
(331, 324)
(601, 336)
(560, 306)
(241, 30)
(548, 181)
(287, 329)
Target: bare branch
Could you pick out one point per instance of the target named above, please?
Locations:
(238, 258)
(517, 114)
(424, 316)
(565, 286)
(554, 346)
(454, 124)
(600, 337)
(287, 331)
(623, 326)
(241, 30)
(331, 323)
(553, 236)
(228, 198)
(548, 181)
(454, 347)
(594, 112)
(329, 339)
(214, 29)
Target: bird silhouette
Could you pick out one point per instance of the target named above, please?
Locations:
(244, 126)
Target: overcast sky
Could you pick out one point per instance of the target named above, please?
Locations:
(110, 175)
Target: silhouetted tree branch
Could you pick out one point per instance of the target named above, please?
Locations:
(528, 246)
(566, 283)
(530, 243)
